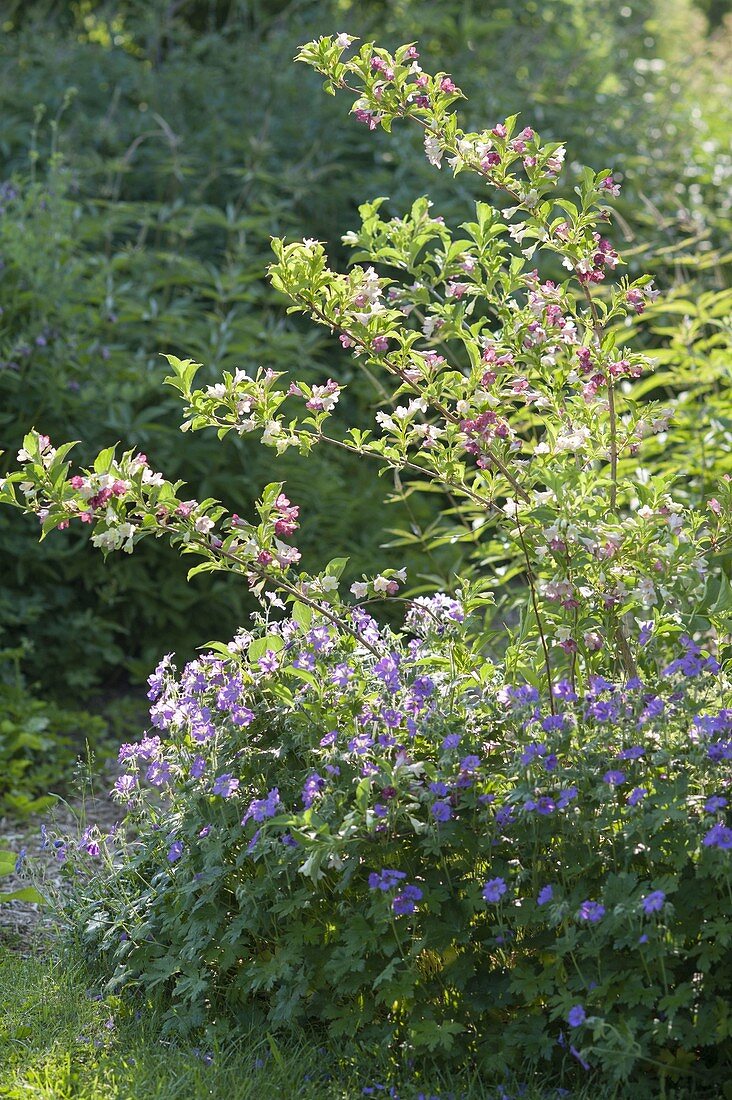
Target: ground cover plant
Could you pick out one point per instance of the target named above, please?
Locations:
(499, 839)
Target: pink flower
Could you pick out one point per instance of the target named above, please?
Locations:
(446, 85)
(610, 186)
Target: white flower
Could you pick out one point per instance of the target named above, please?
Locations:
(433, 150)
(149, 478)
(203, 525)
(272, 430)
(344, 40)
(107, 540)
(381, 584)
(126, 531)
(328, 584)
(359, 589)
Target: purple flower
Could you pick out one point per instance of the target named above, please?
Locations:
(270, 662)
(716, 802)
(439, 788)
(494, 889)
(158, 773)
(314, 784)
(380, 810)
(637, 795)
(613, 778)
(198, 767)
(441, 811)
(566, 796)
(719, 836)
(545, 894)
(241, 716)
(591, 911)
(261, 808)
(652, 903)
(405, 902)
(576, 1016)
(387, 880)
(341, 674)
(305, 661)
(147, 749)
(532, 752)
(633, 753)
(451, 741)
(125, 785)
(576, 1054)
(157, 678)
(470, 763)
(329, 739)
(175, 851)
(225, 785)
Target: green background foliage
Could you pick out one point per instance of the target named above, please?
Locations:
(153, 149)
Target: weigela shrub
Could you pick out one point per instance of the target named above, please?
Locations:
(403, 849)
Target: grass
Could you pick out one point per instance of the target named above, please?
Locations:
(58, 1042)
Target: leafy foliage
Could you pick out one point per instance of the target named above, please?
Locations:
(408, 853)
(39, 741)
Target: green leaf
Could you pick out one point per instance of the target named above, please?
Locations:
(28, 893)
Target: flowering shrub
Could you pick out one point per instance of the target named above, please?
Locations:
(499, 848)
(406, 850)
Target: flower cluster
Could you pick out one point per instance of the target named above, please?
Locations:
(416, 804)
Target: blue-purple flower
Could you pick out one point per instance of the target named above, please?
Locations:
(637, 795)
(653, 903)
(441, 811)
(313, 786)
(225, 785)
(591, 911)
(494, 889)
(719, 836)
(576, 1016)
(387, 880)
(406, 901)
